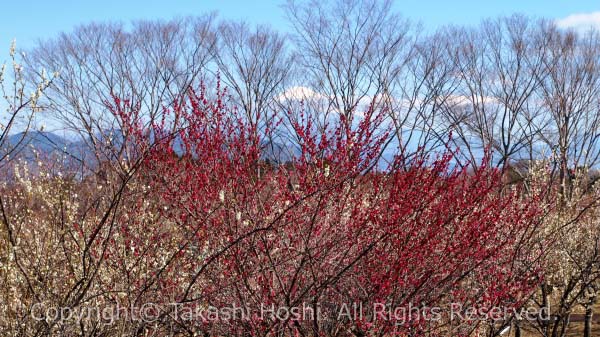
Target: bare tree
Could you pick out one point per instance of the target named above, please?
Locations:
(149, 65)
(569, 95)
(420, 90)
(498, 66)
(348, 50)
(255, 63)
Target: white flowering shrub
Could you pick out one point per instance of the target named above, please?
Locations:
(571, 238)
(64, 243)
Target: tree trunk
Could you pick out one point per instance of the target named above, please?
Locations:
(589, 313)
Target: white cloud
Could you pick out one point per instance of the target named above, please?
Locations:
(465, 100)
(580, 21)
(299, 93)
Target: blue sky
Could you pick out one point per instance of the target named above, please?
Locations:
(29, 20)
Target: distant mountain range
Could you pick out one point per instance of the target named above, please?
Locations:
(34, 145)
(39, 144)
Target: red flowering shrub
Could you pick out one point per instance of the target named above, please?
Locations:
(326, 231)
